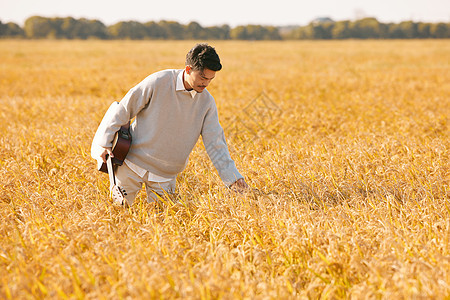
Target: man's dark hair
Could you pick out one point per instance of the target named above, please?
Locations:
(203, 56)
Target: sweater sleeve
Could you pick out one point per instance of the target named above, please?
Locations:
(217, 149)
(118, 115)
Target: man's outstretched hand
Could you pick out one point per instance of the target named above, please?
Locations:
(239, 185)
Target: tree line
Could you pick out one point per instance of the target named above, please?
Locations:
(370, 28)
(38, 27)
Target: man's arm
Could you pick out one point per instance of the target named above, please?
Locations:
(119, 114)
(217, 149)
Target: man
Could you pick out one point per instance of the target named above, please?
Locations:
(172, 109)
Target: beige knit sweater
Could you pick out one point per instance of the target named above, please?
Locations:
(167, 126)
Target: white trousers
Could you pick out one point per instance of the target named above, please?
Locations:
(130, 184)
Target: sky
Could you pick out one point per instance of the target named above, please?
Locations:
(230, 12)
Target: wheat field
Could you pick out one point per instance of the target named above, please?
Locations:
(345, 145)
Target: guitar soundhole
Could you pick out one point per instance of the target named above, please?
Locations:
(124, 134)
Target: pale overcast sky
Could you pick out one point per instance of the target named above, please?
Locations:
(231, 12)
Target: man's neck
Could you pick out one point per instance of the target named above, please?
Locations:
(185, 83)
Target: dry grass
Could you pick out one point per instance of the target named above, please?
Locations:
(350, 166)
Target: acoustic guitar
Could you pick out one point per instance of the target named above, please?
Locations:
(121, 146)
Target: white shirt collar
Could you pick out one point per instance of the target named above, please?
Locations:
(180, 85)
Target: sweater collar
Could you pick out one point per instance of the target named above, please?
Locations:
(180, 85)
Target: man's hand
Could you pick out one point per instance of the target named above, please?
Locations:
(239, 185)
(107, 151)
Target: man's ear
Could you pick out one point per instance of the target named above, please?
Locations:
(188, 69)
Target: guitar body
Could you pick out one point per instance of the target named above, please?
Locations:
(121, 146)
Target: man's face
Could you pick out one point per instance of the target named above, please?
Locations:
(197, 80)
